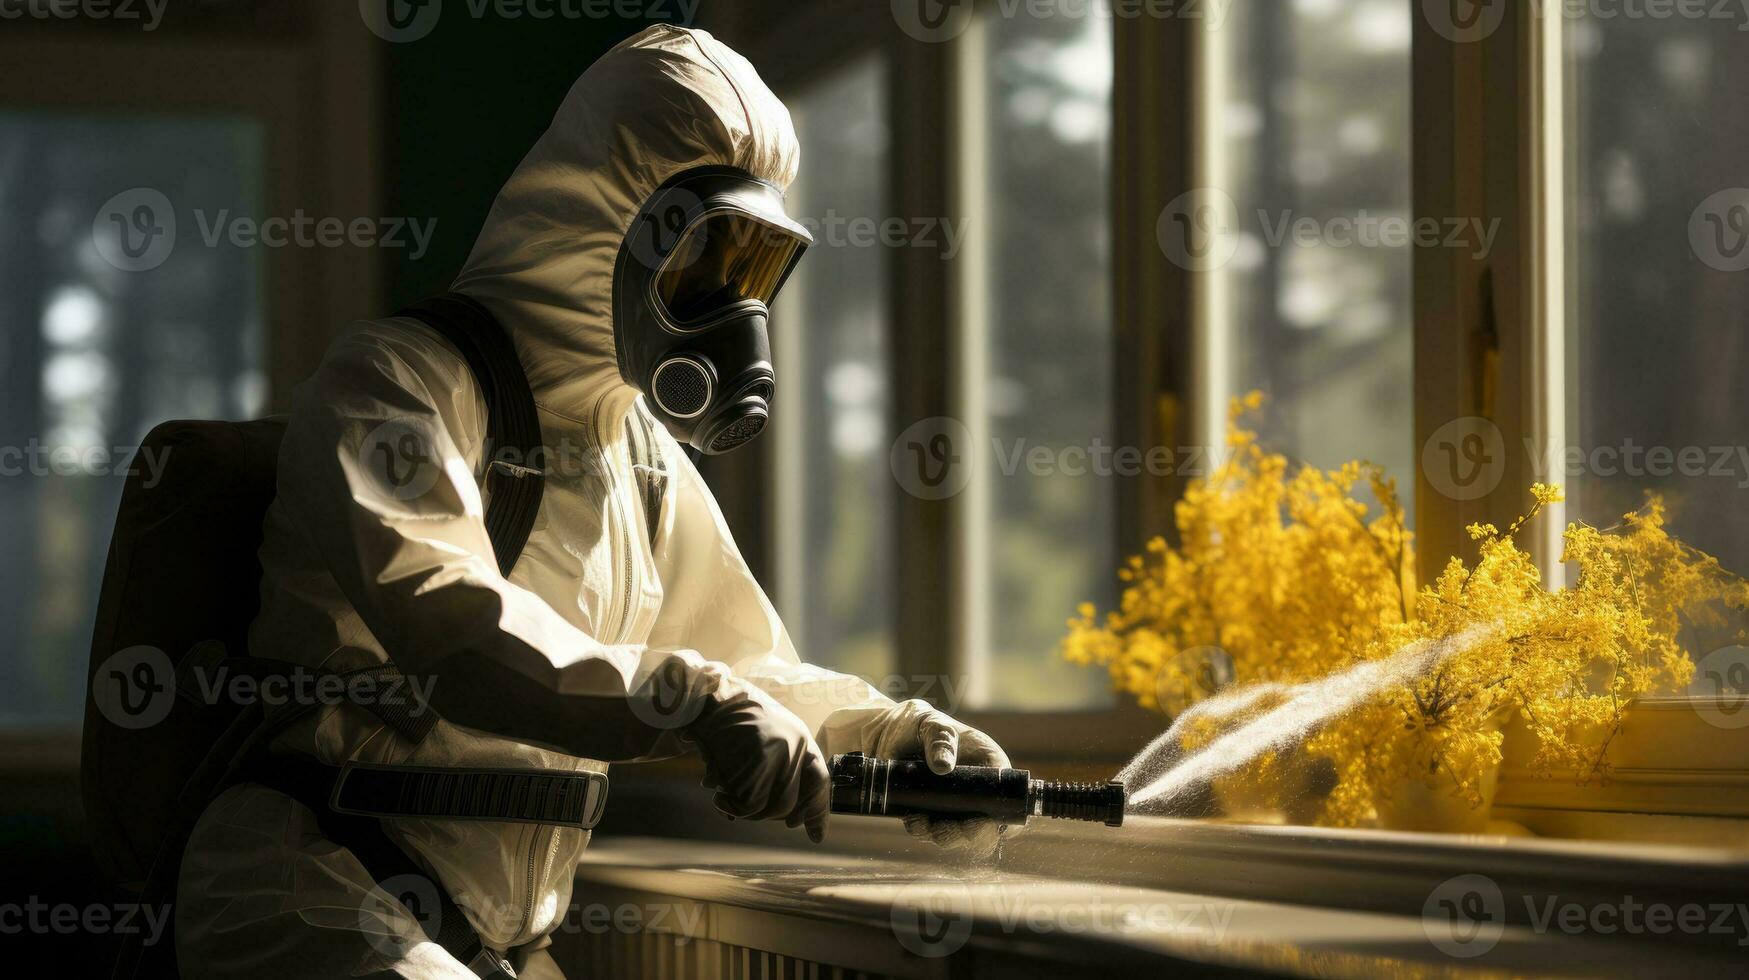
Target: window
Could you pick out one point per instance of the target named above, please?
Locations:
(1040, 367)
(833, 503)
(1658, 245)
(1308, 135)
(97, 351)
(222, 122)
(1311, 118)
(1658, 276)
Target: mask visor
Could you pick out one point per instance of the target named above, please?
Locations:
(724, 259)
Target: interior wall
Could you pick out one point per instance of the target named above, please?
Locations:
(464, 104)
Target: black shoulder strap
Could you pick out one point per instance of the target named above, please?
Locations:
(514, 453)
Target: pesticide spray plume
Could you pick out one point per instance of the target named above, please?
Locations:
(1164, 779)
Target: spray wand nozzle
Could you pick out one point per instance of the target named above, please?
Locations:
(898, 788)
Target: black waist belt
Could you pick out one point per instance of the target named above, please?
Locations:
(565, 799)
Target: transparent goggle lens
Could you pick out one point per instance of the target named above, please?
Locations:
(724, 259)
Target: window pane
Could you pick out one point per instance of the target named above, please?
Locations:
(833, 507)
(1042, 371)
(100, 339)
(1310, 139)
(1658, 248)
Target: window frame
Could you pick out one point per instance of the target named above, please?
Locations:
(1489, 332)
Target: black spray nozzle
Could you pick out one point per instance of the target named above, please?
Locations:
(898, 788)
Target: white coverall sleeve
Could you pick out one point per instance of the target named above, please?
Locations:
(378, 465)
(713, 604)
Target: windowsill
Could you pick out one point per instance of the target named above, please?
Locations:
(1363, 869)
(1673, 768)
(1370, 869)
(40, 749)
(1275, 899)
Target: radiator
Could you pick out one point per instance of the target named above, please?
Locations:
(657, 956)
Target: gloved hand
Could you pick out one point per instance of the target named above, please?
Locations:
(914, 729)
(762, 761)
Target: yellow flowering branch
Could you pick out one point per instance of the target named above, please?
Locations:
(1294, 578)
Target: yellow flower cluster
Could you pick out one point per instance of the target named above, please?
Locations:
(1285, 573)
(1282, 572)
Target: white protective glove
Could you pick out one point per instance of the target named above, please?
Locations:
(763, 762)
(912, 730)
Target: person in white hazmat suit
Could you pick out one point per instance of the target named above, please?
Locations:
(540, 669)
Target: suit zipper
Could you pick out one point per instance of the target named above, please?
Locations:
(623, 539)
(622, 544)
(528, 889)
(533, 877)
(627, 544)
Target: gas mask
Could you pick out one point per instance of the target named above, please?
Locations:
(692, 293)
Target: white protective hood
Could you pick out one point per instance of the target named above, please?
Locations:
(663, 102)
